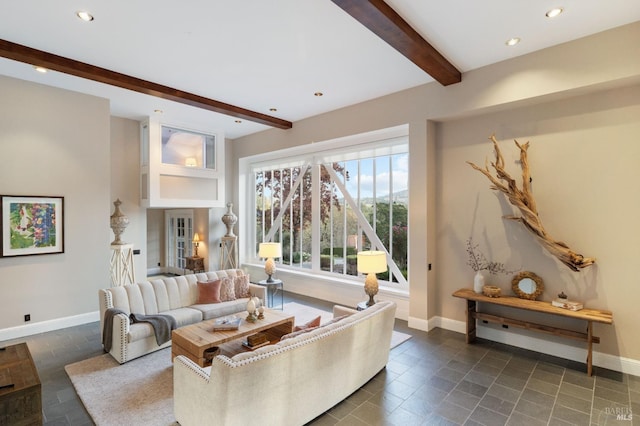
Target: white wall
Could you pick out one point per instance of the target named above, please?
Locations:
(55, 142)
(583, 160)
(155, 240)
(125, 178)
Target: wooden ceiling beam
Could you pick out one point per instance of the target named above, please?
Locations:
(385, 22)
(50, 61)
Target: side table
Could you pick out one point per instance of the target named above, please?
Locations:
(273, 288)
(362, 306)
(195, 263)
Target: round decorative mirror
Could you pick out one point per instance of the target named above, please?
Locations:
(527, 285)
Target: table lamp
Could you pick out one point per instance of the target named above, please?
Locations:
(196, 242)
(371, 263)
(269, 251)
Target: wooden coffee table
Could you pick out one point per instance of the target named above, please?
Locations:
(192, 340)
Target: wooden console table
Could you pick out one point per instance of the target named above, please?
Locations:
(588, 315)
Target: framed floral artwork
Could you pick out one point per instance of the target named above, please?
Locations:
(31, 225)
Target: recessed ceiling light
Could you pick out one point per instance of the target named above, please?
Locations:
(318, 94)
(273, 109)
(40, 69)
(158, 111)
(238, 121)
(84, 15)
(513, 41)
(554, 12)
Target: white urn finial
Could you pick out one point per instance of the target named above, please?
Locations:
(229, 219)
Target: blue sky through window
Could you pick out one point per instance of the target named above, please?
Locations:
(399, 172)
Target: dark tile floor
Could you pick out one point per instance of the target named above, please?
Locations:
(432, 379)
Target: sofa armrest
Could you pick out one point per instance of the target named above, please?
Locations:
(339, 311)
(258, 291)
(121, 325)
(105, 301)
(190, 391)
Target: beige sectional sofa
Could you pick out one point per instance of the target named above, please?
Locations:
(175, 296)
(288, 383)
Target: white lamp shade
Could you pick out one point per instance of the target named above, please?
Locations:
(270, 250)
(196, 238)
(372, 262)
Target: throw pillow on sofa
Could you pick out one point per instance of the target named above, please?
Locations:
(310, 326)
(241, 286)
(297, 333)
(335, 320)
(209, 292)
(304, 328)
(227, 289)
(313, 323)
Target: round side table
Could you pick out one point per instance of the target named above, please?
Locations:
(362, 306)
(274, 287)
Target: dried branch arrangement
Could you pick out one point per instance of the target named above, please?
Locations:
(523, 200)
(478, 261)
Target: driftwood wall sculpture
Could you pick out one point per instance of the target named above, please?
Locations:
(523, 200)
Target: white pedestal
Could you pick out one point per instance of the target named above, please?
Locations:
(122, 271)
(228, 253)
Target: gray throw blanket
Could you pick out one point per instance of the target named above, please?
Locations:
(162, 325)
(107, 327)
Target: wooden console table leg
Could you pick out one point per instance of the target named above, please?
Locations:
(589, 348)
(471, 321)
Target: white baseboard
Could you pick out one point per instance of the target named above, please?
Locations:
(530, 340)
(447, 324)
(50, 325)
(419, 324)
(154, 271)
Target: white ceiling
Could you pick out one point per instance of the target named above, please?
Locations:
(262, 54)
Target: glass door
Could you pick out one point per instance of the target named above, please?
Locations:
(179, 232)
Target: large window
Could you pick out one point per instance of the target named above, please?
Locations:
(326, 205)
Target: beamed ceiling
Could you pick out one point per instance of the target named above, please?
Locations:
(243, 67)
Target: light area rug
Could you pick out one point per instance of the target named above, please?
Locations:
(140, 392)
